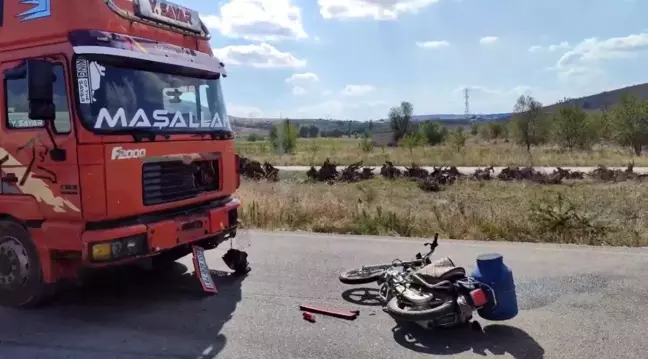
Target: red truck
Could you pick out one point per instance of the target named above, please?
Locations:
(115, 143)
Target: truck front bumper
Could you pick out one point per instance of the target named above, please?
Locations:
(152, 235)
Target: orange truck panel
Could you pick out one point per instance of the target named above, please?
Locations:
(132, 153)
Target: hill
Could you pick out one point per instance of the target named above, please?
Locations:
(606, 99)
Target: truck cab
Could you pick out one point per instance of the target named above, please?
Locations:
(115, 143)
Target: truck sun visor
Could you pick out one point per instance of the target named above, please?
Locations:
(107, 43)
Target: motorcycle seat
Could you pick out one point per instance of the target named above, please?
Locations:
(440, 270)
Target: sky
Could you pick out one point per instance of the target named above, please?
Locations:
(354, 59)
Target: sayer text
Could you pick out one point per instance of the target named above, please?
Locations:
(175, 12)
(161, 119)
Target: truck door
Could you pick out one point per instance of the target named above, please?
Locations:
(39, 159)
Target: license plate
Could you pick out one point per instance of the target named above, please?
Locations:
(202, 270)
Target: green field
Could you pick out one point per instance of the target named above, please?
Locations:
(476, 152)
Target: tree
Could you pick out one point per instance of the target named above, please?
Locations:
(485, 132)
(458, 138)
(571, 128)
(491, 131)
(284, 137)
(304, 132)
(274, 136)
(433, 132)
(411, 141)
(528, 124)
(313, 131)
(496, 130)
(253, 137)
(630, 123)
(600, 125)
(400, 119)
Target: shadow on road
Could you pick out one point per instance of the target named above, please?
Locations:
(495, 338)
(362, 296)
(139, 312)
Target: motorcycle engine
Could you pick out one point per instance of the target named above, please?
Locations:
(463, 314)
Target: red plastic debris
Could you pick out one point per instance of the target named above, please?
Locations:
(350, 315)
(309, 317)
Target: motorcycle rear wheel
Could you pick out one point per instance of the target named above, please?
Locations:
(393, 308)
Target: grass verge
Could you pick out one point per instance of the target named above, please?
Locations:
(475, 153)
(581, 212)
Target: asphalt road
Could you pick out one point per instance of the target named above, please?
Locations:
(576, 302)
(471, 170)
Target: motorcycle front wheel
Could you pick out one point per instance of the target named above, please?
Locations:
(361, 276)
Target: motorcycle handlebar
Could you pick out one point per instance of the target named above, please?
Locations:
(432, 245)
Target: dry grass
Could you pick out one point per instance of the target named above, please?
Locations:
(476, 153)
(579, 212)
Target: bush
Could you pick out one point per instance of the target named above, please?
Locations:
(366, 145)
(253, 137)
(433, 133)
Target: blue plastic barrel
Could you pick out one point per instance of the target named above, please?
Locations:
(491, 270)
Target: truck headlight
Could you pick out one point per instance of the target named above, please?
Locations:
(120, 248)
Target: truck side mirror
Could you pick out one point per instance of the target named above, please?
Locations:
(40, 90)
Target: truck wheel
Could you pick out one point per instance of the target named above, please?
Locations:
(21, 279)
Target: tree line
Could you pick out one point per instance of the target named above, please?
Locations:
(569, 126)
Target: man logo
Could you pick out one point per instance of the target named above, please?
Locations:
(40, 9)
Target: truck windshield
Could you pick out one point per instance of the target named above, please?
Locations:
(117, 99)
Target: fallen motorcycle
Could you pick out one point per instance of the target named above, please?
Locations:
(438, 293)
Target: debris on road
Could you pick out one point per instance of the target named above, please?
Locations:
(309, 317)
(328, 173)
(343, 314)
(435, 180)
(390, 171)
(253, 170)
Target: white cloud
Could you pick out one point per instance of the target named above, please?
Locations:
(258, 55)
(357, 90)
(561, 46)
(432, 44)
(585, 56)
(299, 81)
(259, 20)
(307, 77)
(375, 9)
(487, 40)
(327, 93)
(551, 48)
(244, 111)
(299, 91)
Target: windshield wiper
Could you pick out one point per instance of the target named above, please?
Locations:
(139, 135)
(214, 133)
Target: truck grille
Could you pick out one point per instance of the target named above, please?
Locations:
(170, 181)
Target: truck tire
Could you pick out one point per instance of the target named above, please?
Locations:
(21, 277)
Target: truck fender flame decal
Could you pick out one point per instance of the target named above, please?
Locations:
(35, 186)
